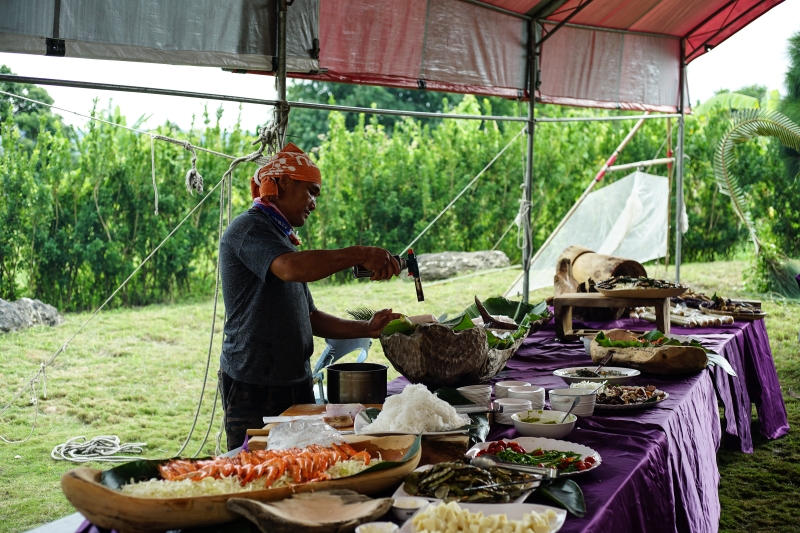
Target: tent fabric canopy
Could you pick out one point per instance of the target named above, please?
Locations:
(612, 53)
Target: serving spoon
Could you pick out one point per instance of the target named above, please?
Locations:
(575, 402)
(594, 374)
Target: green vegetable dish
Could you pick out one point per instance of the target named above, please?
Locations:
(564, 461)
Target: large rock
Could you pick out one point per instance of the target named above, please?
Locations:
(25, 313)
(448, 264)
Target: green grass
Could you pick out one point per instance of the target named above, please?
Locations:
(137, 373)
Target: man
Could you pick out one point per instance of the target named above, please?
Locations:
(264, 366)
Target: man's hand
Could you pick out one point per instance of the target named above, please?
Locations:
(379, 321)
(379, 261)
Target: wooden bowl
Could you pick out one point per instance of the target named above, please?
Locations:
(111, 509)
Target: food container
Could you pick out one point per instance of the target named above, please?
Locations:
(548, 424)
(561, 400)
(357, 383)
(533, 394)
(501, 388)
(377, 527)
(404, 508)
(510, 406)
(480, 394)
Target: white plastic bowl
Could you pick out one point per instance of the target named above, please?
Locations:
(501, 388)
(534, 394)
(480, 394)
(561, 400)
(541, 428)
(404, 508)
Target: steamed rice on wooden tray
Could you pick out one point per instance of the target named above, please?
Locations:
(413, 411)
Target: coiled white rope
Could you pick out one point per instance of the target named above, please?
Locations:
(102, 449)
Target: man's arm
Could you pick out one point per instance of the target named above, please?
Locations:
(332, 327)
(314, 265)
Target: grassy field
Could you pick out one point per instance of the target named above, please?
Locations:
(137, 373)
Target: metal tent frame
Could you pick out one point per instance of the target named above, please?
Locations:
(539, 31)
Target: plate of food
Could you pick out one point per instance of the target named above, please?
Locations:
(568, 457)
(414, 411)
(168, 494)
(614, 375)
(640, 287)
(499, 518)
(466, 483)
(617, 397)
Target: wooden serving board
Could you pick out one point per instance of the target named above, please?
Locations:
(563, 304)
(303, 409)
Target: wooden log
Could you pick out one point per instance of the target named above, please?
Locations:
(657, 360)
(599, 267)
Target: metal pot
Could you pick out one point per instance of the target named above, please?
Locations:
(357, 383)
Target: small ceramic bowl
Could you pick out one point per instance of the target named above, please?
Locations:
(544, 423)
(404, 508)
(378, 527)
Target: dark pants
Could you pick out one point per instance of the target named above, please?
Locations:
(246, 404)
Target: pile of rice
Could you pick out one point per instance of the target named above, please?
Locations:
(416, 410)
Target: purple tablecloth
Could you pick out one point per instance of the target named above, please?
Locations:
(659, 471)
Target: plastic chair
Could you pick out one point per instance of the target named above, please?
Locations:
(335, 350)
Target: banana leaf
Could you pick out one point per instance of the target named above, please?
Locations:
(144, 469)
(479, 429)
(566, 494)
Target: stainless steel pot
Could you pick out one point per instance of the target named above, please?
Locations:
(357, 383)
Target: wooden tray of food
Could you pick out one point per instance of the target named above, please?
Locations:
(109, 508)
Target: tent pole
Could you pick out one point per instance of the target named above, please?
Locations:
(533, 80)
(280, 79)
(679, 166)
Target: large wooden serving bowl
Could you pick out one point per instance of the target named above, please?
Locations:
(111, 509)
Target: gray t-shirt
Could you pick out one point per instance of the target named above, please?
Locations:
(268, 339)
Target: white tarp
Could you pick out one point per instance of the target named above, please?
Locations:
(627, 218)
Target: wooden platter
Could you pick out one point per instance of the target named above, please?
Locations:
(111, 509)
(642, 293)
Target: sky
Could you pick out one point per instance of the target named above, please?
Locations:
(755, 55)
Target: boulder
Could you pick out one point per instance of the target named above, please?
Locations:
(445, 265)
(25, 313)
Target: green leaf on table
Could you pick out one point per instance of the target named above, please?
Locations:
(453, 396)
(463, 324)
(139, 470)
(566, 494)
(716, 359)
(372, 413)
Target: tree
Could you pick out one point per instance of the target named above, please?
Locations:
(306, 126)
(27, 115)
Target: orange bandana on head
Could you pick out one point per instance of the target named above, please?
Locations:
(292, 162)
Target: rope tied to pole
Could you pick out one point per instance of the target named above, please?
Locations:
(103, 449)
